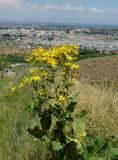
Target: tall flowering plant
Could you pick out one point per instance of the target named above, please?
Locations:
(52, 78)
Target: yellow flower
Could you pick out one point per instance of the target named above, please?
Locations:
(69, 58)
(21, 85)
(13, 89)
(61, 98)
(44, 73)
(74, 66)
(34, 79)
(70, 82)
(52, 62)
(75, 75)
(33, 70)
(67, 64)
(28, 80)
(28, 59)
(41, 93)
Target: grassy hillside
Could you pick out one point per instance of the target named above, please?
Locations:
(100, 101)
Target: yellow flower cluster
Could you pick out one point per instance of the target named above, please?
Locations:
(24, 82)
(52, 62)
(28, 80)
(71, 65)
(55, 55)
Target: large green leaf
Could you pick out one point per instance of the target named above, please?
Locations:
(75, 131)
(57, 110)
(74, 97)
(36, 132)
(96, 147)
(114, 151)
(46, 119)
(78, 127)
(68, 131)
(71, 106)
(56, 146)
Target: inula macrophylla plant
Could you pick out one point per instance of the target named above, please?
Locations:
(53, 101)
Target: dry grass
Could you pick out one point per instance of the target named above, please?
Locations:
(100, 70)
(15, 142)
(101, 103)
(98, 88)
(13, 50)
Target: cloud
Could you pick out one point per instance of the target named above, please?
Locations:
(65, 8)
(50, 7)
(80, 8)
(95, 10)
(68, 8)
(19, 10)
(10, 3)
(115, 11)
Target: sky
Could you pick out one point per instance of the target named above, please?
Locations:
(60, 11)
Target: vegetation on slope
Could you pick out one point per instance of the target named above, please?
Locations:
(100, 101)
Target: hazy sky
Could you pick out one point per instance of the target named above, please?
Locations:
(64, 11)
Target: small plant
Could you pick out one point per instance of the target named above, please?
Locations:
(53, 101)
(3, 65)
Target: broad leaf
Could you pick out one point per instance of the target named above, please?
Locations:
(78, 127)
(46, 120)
(71, 106)
(56, 146)
(46, 139)
(36, 132)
